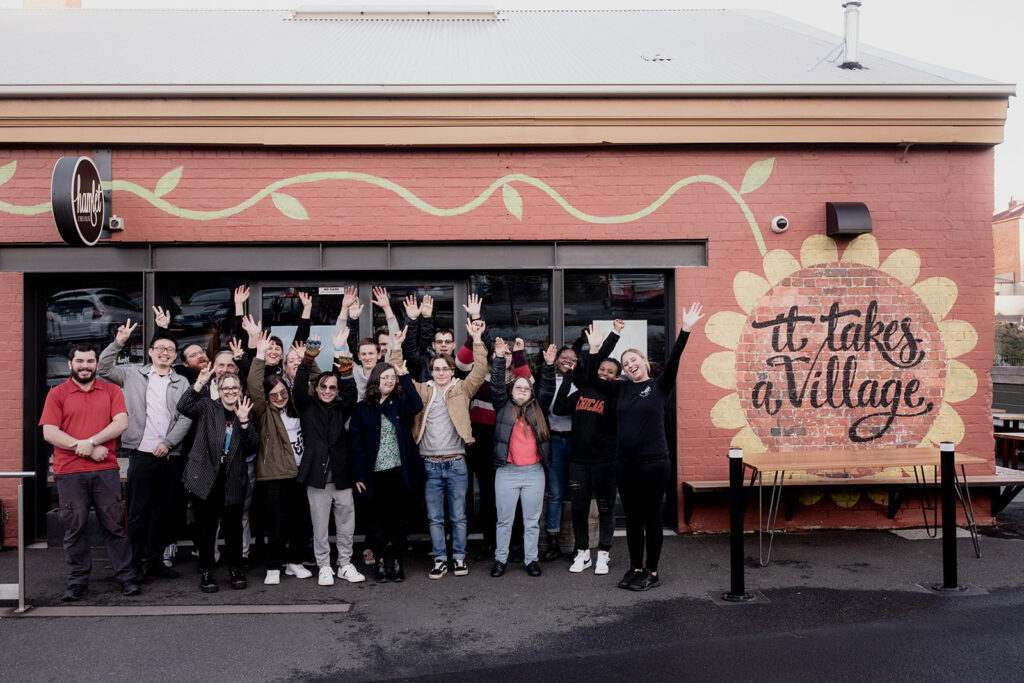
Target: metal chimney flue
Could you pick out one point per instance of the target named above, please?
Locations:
(851, 36)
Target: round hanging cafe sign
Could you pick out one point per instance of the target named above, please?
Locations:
(76, 195)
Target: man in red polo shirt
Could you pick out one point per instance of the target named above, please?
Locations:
(81, 419)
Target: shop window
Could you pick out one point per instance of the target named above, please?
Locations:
(444, 304)
(637, 298)
(202, 308)
(517, 306)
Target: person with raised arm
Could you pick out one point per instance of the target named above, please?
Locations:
(216, 475)
(641, 450)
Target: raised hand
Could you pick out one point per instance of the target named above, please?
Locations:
(356, 309)
(618, 324)
(300, 348)
(427, 309)
(692, 316)
(473, 306)
(475, 328)
(204, 376)
(519, 344)
(307, 304)
(241, 296)
(550, 354)
(262, 344)
(412, 309)
(594, 337)
(236, 348)
(401, 369)
(350, 296)
(252, 326)
(242, 408)
(125, 331)
(163, 318)
(341, 337)
(381, 300)
(399, 337)
(500, 348)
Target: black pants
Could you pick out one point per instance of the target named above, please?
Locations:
(209, 513)
(286, 521)
(642, 488)
(151, 485)
(177, 513)
(102, 489)
(388, 505)
(480, 458)
(596, 480)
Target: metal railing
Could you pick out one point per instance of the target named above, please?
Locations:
(21, 539)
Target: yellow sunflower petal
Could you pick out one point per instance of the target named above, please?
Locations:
(727, 413)
(720, 369)
(959, 337)
(879, 496)
(748, 289)
(779, 264)
(961, 382)
(818, 249)
(810, 496)
(748, 441)
(947, 426)
(845, 498)
(938, 294)
(904, 265)
(724, 328)
(864, 250)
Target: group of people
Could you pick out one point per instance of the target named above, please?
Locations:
(404, 416)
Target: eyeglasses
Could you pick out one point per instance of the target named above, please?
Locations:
(190, 356)
(521, 389)
(278, 394)
(164, 349)
(330, 389)
(225, 390)
(443, 369)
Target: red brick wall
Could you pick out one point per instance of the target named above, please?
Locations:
(1006, 238)
(11, 323)
(934, 202)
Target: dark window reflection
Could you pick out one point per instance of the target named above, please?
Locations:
(517, 306)
(202, 307)
(605, 296)
(444, 304)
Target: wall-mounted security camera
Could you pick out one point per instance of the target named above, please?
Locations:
(779, 224)
(116, 223)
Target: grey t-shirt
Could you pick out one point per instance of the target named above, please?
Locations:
(440, 436)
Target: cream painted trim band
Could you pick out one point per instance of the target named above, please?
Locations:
(500, 121)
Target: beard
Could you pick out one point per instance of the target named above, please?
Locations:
(84, 375)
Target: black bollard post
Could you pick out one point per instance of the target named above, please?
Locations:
(736, 508)
(948, 497)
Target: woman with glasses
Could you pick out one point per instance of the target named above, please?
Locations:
(216, 475)
(522, 451)
(326, 470)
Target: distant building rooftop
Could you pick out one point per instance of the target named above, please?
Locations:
(475, 51)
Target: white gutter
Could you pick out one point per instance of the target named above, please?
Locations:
(795, 90)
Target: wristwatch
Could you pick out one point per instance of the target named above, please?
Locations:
(92, 443)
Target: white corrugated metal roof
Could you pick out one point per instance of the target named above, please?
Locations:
(185, 52)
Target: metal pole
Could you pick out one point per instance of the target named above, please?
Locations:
(21, 548)
(736, 508)
(949, 578)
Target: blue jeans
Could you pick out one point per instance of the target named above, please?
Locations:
(526, 485)
(449, 477)
(558, 475)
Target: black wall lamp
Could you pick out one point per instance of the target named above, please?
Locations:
(847, 218)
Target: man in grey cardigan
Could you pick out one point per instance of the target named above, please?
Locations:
(154, 434)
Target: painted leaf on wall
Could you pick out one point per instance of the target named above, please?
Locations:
(513, 200)
(289, 206)
(757, 175)
(7, 171)
(168, 182)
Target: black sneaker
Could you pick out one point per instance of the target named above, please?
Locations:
(130, 588)
(629, 577)
(440, 569)
(498, 569)
(461, 568)
(646, 581)
(237, 579)
(381, 574)
(74, 592)
(396, 573)
(551, 551)
(208, 581)
(533, 569)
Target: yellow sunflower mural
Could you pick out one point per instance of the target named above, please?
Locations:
(840, 351)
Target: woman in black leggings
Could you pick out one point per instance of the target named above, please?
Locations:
(641, 453)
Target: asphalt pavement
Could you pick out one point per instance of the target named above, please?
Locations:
(834, 605)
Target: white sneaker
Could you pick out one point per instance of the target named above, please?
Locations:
(273, 577)
(603, 558)
(581, 561)
(169, 553)
(298, 571)
(326, 577)
(351, 574)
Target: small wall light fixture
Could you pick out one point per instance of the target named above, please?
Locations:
(847, 218)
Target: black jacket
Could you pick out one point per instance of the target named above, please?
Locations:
(209, 420)
(365, 431)
(503, 410)
(323, 430)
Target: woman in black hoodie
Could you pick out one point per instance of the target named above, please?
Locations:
(326, 470)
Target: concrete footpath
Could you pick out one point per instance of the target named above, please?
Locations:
(837, 605)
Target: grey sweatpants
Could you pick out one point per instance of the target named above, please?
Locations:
(321, 503)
